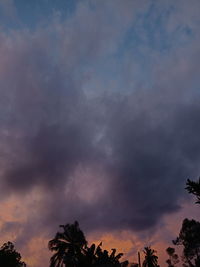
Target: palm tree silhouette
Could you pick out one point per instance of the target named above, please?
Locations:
(151, 260)
(71, 250)
(67, 246)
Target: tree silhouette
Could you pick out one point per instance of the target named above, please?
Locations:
(95, 256)
(9, 257)
(189, 238)
(71, 250)
(194, 188)
(150, 260)
(173, 257)
(67, 246)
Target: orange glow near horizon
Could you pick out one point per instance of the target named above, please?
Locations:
(35, 252)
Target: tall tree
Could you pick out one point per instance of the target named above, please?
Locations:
(189, 238)
(150, 260)
(67, 246)
(9, 257)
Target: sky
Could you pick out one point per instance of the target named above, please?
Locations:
(99, 121)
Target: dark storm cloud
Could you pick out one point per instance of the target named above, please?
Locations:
(149, 153)
(112, 161)
(153, 150)
(52, 153)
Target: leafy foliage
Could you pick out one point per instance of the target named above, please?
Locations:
(67, 246)
(95, 256)
(71, 250)
(151, 260)
(9, 257)
(194, 188)
(173, 257)
(189, 237)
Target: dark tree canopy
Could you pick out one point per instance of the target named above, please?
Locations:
(189, 238)
(9, 257)
(194, 188)
(95, 256)
(173, 257)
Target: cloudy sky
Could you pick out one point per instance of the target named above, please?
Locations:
(99, 121)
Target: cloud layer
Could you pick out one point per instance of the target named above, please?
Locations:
(100, 115)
